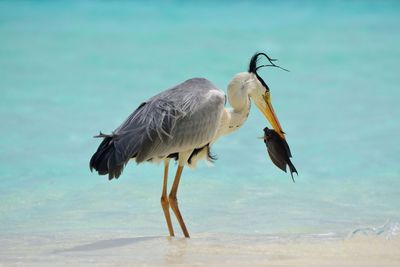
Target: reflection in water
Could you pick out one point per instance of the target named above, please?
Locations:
(109, 244)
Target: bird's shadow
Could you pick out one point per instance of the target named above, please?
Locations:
(107, 244)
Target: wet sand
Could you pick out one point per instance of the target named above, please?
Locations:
(200, 250)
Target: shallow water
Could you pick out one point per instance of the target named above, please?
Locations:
(70, 69)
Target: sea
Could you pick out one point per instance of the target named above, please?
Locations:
(70, 69)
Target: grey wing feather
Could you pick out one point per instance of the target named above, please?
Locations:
(183, 117)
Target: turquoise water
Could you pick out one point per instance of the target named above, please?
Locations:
(70, 69)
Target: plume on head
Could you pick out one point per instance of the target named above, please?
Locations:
(253, 66)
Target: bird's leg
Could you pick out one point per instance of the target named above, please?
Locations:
(164, 199)
(174, 203)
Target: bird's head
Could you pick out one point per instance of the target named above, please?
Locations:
(259, 91)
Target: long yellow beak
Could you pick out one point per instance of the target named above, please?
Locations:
(266, 108)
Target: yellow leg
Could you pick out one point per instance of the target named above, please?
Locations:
(164, 199)
(174, 203)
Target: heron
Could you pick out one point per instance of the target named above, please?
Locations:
(181, 124)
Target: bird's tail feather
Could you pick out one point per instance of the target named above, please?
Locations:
(104, 160)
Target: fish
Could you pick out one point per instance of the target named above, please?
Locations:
(279, 151)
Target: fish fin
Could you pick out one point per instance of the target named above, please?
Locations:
(286, 145)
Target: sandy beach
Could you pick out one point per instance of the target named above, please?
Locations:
(200, 250)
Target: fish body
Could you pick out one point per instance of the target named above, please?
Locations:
(278, 151)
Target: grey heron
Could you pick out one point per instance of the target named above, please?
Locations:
(182, 123)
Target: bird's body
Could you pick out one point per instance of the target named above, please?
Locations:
(185, 119)
(182, 123)
(182, 119)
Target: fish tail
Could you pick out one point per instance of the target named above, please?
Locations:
(292, 170)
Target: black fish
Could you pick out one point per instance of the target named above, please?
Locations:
(279, 151)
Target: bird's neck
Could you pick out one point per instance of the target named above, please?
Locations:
(236, 118)
(239, 100)
(238, 92)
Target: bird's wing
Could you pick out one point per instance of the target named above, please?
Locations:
(181, 118)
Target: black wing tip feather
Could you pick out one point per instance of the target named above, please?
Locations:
(105, 160)
(210, 157)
